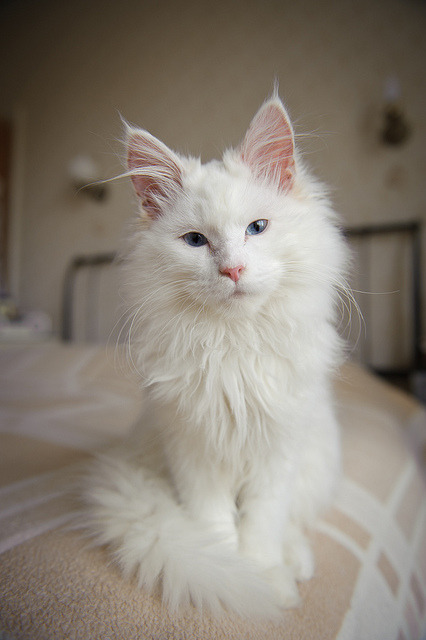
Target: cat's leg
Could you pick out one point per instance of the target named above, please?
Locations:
(297, 552)
(318, 470)
(319, 464)
(209, 500)
(264, 511)
(205, 492)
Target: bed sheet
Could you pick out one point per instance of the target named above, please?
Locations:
(59, 403)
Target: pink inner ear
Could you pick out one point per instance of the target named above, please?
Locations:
(268, 147)
(157, 174)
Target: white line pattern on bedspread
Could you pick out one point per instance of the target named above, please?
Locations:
(34, 506)
(386, 538)
(33, 530)
(18, 496)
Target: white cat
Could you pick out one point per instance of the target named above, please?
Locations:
(233, 275)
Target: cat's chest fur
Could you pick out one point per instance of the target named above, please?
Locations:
(233, 385)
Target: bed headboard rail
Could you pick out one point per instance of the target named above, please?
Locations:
(89, 279)
(387, 285)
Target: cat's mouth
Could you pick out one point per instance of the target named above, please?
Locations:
(234, 295)
(241, 291)
(238, 293)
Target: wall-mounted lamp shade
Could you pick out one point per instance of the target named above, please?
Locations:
(85, 177)
(395, 130)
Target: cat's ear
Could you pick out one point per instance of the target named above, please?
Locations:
(155, 170)
(268, 147)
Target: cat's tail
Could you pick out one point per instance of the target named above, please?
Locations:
(153, 540)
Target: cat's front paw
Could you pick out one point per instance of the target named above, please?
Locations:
(299, 556)
(282, 581)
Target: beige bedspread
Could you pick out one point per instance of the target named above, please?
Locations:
(58, 403)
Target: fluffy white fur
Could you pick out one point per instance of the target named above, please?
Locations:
(238, 446)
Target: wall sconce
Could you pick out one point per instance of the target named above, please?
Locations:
(85, 178)
(395, 130)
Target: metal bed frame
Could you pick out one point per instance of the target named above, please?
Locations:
(411, 230)
(68, 299)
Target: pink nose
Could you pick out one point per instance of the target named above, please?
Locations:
(233, 272)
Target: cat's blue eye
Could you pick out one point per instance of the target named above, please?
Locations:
(195, 239)
(256, 227)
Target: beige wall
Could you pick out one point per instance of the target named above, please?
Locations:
(194, 73)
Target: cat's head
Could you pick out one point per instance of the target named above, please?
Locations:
(223, 234)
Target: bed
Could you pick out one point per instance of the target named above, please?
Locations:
(62, 400)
